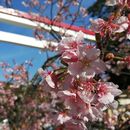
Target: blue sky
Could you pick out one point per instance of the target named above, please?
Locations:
(9, 52)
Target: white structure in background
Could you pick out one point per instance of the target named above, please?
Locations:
(33, 21)
(26, 41)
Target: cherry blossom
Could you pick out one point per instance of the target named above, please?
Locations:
(87, 101)
(63, 118)
(103, 27)
(107, 92)
(118, 2)
(124, 24)
(69, 56)
(88, 64)
(70, 43)
(83, 60)
(111, 2)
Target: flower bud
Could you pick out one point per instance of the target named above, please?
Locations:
(109, 56)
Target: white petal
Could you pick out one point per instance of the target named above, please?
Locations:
(128, 36)
(114, 104)
(122, 28)
(79, 37)
(87, 73)
(111, 2)
(75, 68)
(63, 118)
(87, 97)
(66, 92)
(122, 19)
(49, 81)
(106, 99)
(115, 92)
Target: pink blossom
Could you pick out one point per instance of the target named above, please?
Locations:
(111, 2)
(83, 11)
(80, 105)
(49, 77)
(94, 113)
(107, 91)
(83, 60)
(70, 56)
(88, 99)
(68, 82)
(70, 43)
(86, 96)
(103, 27)
(123, 23)
(118, 2)
(49, 81)
(62, 118)
(88, 64)
(2, 84)
(73, 103)
(107, 98)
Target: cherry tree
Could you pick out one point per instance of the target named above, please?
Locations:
(76, 90)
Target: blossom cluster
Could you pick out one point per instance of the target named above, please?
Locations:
(113, 36)
(16, 74)
(84, 97)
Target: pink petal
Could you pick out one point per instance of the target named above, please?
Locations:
(106, 99)
(66, 93)
(75, 68)
(50, 81)
(111, 2)
(70, 56)
(87, 97)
